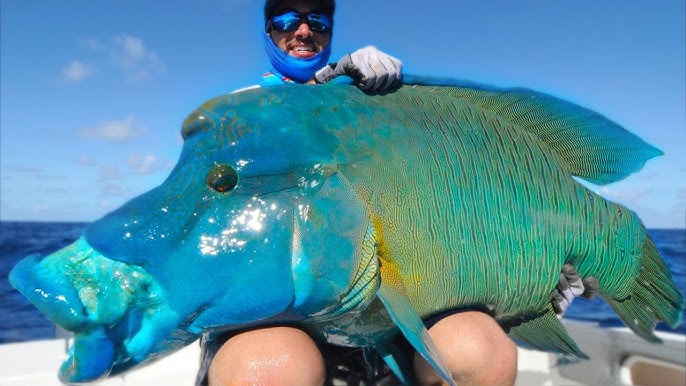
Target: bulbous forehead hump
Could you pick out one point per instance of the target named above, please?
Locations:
(255, 107)
(208, 116)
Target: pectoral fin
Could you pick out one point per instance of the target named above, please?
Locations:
(410, 324)
(547, 333)
(398, 362)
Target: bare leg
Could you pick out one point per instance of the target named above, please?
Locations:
(268, 356)
(475, 349)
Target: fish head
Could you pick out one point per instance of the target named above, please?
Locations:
(110, 307)
(256, 194)
(254, 225)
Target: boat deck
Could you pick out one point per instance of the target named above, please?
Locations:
(618, 357)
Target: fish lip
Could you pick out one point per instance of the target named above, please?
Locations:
(57, 300)
(91, 358)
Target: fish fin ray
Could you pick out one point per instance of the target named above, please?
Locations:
(590, 145)
(410, 324)
(547, 333)
(654, 297)
(398, 362)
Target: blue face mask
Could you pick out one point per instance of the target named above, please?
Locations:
(298, 69)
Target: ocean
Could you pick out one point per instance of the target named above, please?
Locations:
(20, 321)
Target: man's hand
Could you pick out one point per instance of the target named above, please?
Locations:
(371, 69)
(571, 286)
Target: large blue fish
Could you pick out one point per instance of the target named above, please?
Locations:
(355, 217)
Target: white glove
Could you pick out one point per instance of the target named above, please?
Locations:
(571, 286)
(371, 69)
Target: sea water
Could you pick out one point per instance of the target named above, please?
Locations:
(21, 321)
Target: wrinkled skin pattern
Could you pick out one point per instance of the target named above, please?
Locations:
(297, 204)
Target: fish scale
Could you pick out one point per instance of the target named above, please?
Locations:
(478, 166)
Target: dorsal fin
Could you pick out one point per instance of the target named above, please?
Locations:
(591, 146)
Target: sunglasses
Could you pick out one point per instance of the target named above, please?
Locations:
(291, 20)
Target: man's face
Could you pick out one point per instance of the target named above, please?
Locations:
(303, 42)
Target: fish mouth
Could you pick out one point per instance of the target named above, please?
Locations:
(78, 288)
(57, 299)
(91, 296)
(49, 283)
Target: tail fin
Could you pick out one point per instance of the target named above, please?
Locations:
(654, 297)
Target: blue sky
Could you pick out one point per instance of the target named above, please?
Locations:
(93, 92)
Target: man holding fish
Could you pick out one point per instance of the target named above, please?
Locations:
(475, 348)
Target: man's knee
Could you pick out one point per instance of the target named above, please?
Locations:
(275, 355)
(475, 349)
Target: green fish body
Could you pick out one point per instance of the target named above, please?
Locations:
(358, 216)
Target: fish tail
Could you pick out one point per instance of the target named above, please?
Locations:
(654, 296)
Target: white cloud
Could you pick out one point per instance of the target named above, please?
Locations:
(132, 47)
(134, 58)
(112, 190)
(107, 173)
(22, 169)
(94, 44)
(144, 164)
(85, 161)
(118, 131)
(35, 173)
(127, 53)
(107, 205)
(77, 71)
(631, 197)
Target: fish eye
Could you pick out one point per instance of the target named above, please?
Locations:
(222, 178)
